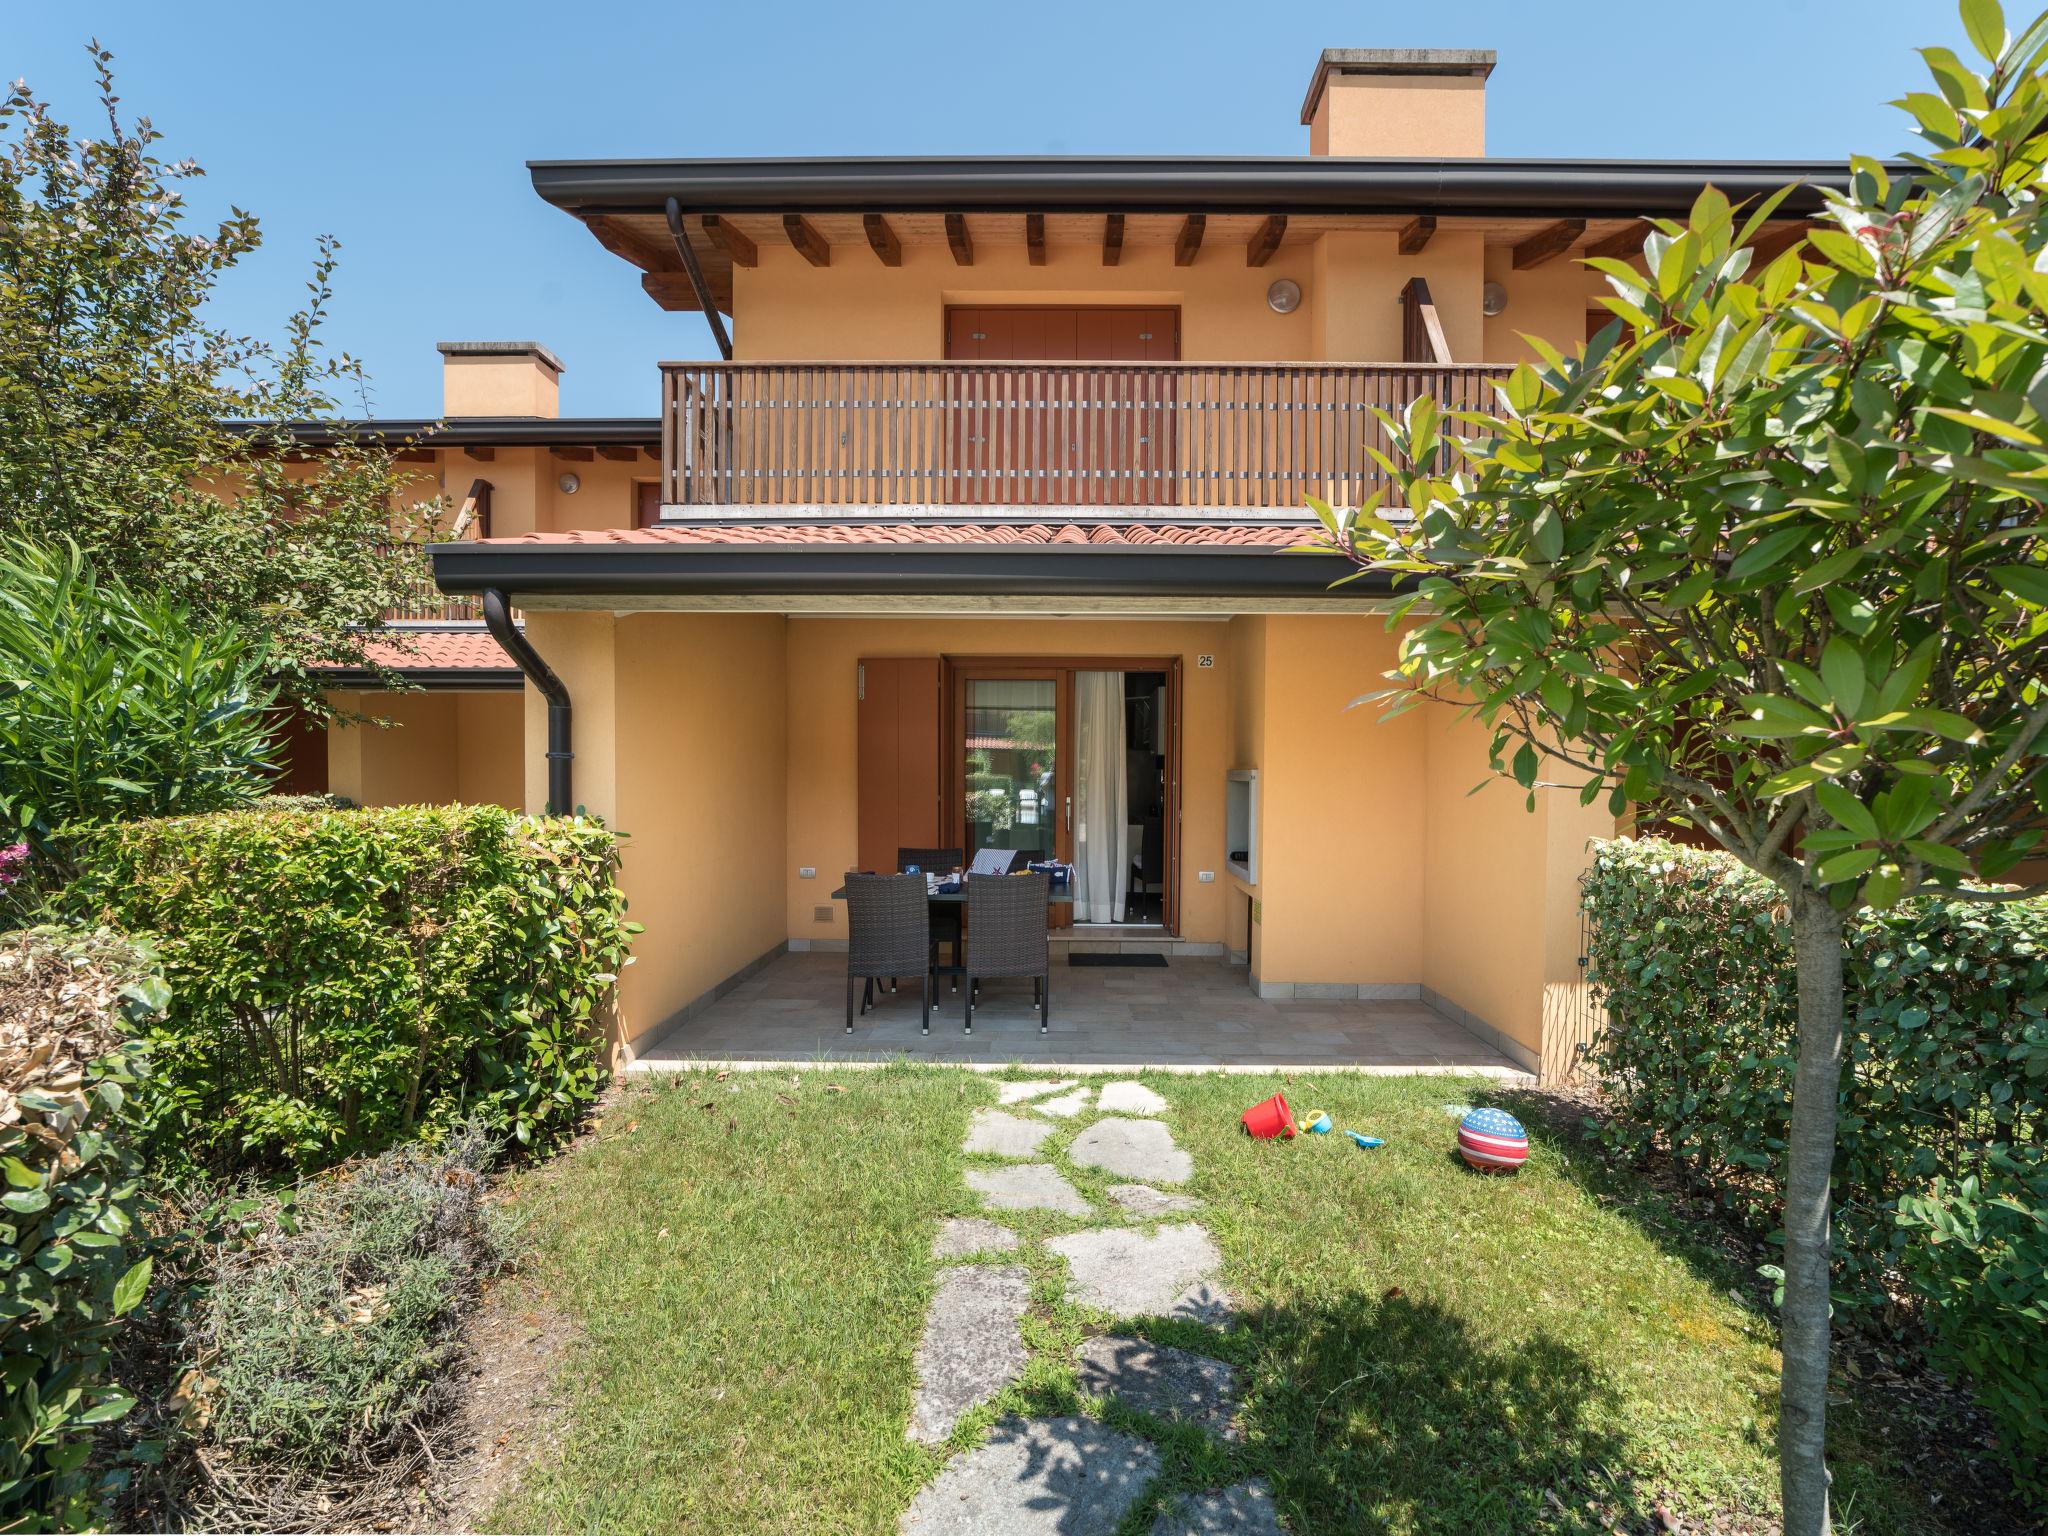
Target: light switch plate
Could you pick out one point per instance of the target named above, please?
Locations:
(807, 872)
(1206, 876)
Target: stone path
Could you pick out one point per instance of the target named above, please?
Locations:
(1031, 1187)
(1171, 1273)
(990, 1130)
(964, 1235)
(1073, 1476)
(1143, 1200)
(972, 1346)
(1133, 1149)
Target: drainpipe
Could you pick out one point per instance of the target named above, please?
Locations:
(498, 620)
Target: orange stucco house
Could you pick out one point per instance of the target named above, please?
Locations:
(975, 537)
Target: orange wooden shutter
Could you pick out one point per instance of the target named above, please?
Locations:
(897, 758)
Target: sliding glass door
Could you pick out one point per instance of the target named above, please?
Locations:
(1075, 759)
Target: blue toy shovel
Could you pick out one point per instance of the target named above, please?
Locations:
(1365, 1143)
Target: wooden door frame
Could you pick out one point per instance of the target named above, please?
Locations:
(957, 670)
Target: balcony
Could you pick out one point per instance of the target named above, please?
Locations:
(1205, 437)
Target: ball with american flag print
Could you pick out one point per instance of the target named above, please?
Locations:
(1493, 1140)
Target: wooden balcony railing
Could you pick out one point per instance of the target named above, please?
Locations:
(1194, 435)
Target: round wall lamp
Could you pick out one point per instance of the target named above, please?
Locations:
(1493, 298)
(570, 483)
(1284, 297)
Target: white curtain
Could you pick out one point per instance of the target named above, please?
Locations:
(1102, 851)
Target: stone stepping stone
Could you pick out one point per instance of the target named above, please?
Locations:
(972, 1346)
(1036, 1477)
(1067, 1105)
(1006, 1135)
(1129, 1099)
(1134, 1149)
(1017, 1093)
(962, 1235)
(1027, 1187)
(1164, 1382)
(1246, 1510)
(1172, 1272)
(1143, 1200)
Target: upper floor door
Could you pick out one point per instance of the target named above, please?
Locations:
(1063, 436)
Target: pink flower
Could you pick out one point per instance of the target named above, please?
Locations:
(12, 858)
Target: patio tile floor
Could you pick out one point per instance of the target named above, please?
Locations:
(1197, 1014)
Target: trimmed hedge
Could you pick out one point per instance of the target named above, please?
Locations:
(1691, 954)
(345, 979)
(69, 1244)
(1941, 1163)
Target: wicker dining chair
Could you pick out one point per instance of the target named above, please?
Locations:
(889, 934)
(945, 918)
(1006, 936)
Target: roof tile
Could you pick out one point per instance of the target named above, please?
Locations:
(1241, 535)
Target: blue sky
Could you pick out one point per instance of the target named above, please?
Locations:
(403, 129)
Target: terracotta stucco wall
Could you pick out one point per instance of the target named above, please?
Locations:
(1340, 793)
(682, 746)
(823, 656)
(438, 749)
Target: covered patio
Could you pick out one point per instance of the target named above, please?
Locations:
(1192, 1014)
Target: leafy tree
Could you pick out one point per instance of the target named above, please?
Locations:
(1769, 557)
(115, 704)
(114, 391)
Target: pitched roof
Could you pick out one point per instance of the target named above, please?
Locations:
(455, 656)
(1239, 535)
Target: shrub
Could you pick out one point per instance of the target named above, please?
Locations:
(116, 705)
(68, 1264)
(1947, 1008)
(344, 979)
(1979, 1255)
(323, 1343)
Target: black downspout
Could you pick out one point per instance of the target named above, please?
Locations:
(498, 620)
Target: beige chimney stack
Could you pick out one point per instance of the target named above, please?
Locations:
(499, 378)
(1398, 102)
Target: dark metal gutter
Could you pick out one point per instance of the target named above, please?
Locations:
(1301, 184)
(561, 760)
(430, 679)
(1081, 571)
(470, 431)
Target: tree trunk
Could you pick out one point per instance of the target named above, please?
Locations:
(1809, 1164)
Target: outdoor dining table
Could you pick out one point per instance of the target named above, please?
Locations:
(1057, 896)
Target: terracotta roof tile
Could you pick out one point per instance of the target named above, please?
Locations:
(439, 650)
(1240, 535)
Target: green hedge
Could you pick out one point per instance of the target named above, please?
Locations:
(70, 1261)
(345, 978)
(1941, 1167)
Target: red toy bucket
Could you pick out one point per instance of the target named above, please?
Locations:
(1272, 1118)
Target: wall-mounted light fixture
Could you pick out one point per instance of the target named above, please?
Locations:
(1284, 297)
(1493, 298)
(570, 483)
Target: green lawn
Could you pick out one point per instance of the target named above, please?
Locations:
(1425, 1348)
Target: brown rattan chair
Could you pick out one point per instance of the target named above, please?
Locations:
(945, 917)
(889, 934)
(1006, 936)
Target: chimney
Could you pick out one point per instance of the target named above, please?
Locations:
(499, 378)
(1398, 102)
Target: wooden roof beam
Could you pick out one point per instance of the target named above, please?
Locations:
(958, 238)
(674, 291)
(628, 244)
(617, 452)
(1548, 243)
(809, 244)
(1188, 242)
(1623, 243)
(1774, 240)
(882, 239)
(1265, 240)
(1416, 233)
(734, 242)
(1034, 238)
(1112, 239)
